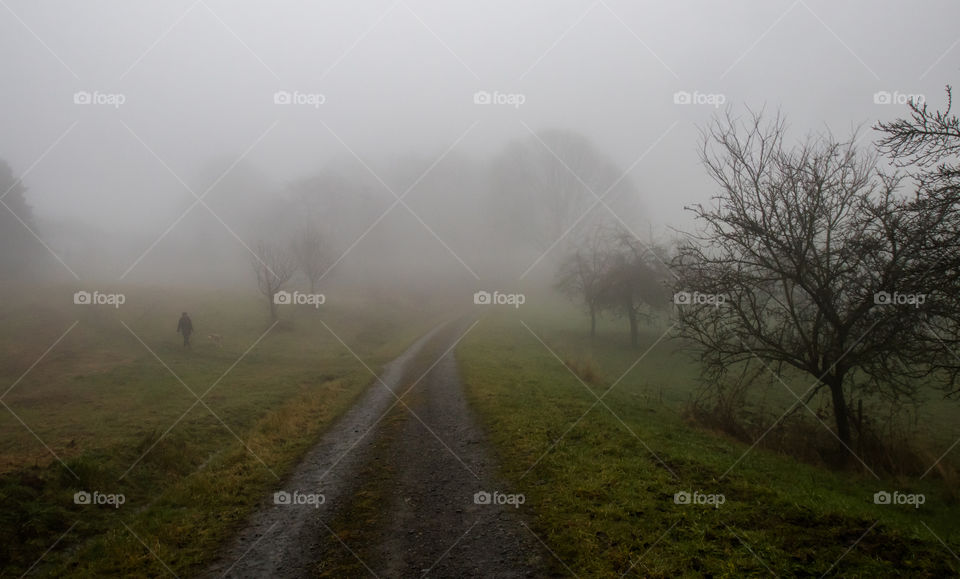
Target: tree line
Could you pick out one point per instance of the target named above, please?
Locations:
(814, 255)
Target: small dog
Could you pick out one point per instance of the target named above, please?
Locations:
(216, 339)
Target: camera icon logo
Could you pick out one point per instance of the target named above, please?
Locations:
(882, 298)
(682, 97)
(82, 98)
(281, 498)
(482, 97)
(282, 297)
(82, 297)
(81, 498)
(681, 497)
(482, 298)
(282, 97)
(682, 298)
(882, 98)
(881, 498)
(481, 498)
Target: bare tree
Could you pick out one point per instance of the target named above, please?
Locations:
(273, 267)
(611, 270)
(927, 144)
(581, 274)
(633, 281)
(928, 140)
(310, 253)
(798, 260)
(546, 189)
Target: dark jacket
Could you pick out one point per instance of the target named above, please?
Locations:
(185, 326)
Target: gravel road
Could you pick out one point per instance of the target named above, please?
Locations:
(417, 465)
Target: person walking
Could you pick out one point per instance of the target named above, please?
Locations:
(185, 327)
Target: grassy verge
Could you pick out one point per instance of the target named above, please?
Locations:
(109, 410)
(600, 478)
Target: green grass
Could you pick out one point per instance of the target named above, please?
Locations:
(600, 491)
(120, 418)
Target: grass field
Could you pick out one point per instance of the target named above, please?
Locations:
(600, 478)
(99, 399)
(109, 409)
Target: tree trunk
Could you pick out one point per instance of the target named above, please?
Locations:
(593, 322)
(634, 330)
(273, 308)
(840, 411)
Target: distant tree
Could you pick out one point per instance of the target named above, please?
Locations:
(633, 282)
(344, 197)
(547, 184)
(273, 266)
(611, 270)
(20, 249)
(581, 274)
(309, 251)
(810, 248)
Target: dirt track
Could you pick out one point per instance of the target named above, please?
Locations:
(399, 490)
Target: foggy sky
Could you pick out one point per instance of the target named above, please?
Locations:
(398, 80)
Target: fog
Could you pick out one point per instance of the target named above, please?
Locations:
(479, 289)
(188, 100)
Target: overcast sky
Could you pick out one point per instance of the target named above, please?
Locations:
(197, 81)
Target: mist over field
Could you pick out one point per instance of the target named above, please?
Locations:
(395, 255)
(188, 110)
